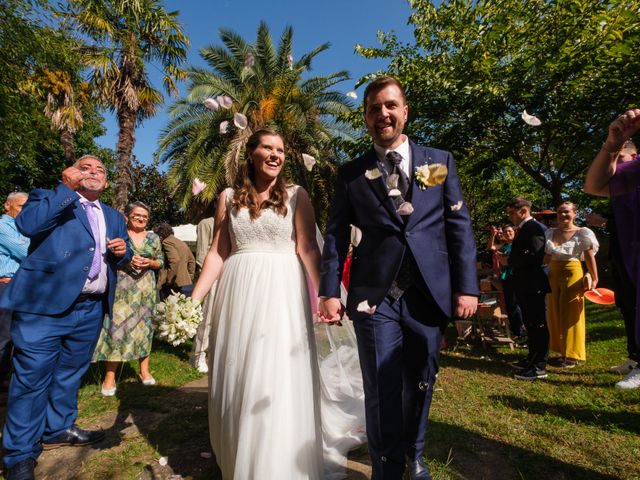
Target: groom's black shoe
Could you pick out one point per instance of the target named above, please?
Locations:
(418, 470)
(74, 437)
(23, 470)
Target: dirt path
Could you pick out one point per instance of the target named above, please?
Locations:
(187, 454)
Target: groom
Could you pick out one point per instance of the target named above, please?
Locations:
(413, 269)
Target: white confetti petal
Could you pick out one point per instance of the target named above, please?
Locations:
(356, 236)
(240, 121)
(309, 161)
(456, 206)
(290, 61)
(394, 192)
(363, 306)
(224, 101)
(211, 104)
(205, 454)
(224, 127)
(249, 60)
(405, 209)
(197, 186)
(373, 174)
(530, 119)
(353, 95)
(392, 180)
(163, 461)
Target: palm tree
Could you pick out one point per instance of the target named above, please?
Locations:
(263, 85)
(64, 108)
(128, 34)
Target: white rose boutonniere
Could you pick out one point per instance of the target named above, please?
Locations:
(373, 174)
(431, 175)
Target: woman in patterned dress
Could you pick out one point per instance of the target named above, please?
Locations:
(128, 334)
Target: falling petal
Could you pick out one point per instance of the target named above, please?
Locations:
(224, 101)
(309, 161)
(197, 186)
(530, 119)
(392, 180)
(373, 174)
(356, 236)
(405, 209)
(456, 206)
(205, 454)
(211, 104)
(353, 95)
(394, 192)
(363, 306)
(437, 174)
(290, 60)
(224, 127)
(163, 461)
(240, 121)
(249, 60)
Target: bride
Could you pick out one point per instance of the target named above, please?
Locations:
(272, 414)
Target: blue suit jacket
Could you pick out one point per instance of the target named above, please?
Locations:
(438, 233)
(50, 279)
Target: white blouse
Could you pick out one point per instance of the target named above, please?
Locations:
(574, 248)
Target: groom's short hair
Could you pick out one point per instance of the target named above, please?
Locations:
(378, 84)
(518, 202)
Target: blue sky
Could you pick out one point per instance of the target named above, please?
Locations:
(342, 23)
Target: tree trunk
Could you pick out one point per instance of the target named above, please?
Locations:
(556, 193)
(67, 140)
(126, 141)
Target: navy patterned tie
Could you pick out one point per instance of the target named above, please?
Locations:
(403, 182)
(94, 271)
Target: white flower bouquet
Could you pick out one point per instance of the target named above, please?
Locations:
(178, 318)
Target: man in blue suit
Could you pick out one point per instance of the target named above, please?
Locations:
(412, 270)
(59, 297)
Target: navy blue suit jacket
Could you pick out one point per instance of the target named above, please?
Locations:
(438, 233)
(50, 279)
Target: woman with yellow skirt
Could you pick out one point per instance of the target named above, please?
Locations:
(566, 246)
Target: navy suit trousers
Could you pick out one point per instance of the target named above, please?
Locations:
(51, 354)
(399, 348)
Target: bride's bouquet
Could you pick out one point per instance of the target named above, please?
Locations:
(178, 318)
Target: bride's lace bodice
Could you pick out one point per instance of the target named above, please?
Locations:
(269, 232)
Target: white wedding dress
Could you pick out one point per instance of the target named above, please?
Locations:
(271, 414)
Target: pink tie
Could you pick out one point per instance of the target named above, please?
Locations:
(94, 271)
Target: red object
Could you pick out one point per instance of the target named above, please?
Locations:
(346, 272)
(606, 297)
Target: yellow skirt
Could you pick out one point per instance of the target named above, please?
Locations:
(565, 310)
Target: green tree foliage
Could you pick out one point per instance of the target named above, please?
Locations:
(150, 186)
(31, 152)
(126, 35)
(266, 85)
(477, 65)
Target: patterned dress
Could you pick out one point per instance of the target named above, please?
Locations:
(128, 335)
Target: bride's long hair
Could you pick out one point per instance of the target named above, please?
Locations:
(246, 195)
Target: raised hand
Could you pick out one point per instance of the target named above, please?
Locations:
(622, 128)
(117, 246)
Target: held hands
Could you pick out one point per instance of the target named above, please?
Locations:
(330, 310)
(622, 128)
(117, 246)
(140, 263)
(464, 306)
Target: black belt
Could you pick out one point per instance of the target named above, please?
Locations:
(90, 296)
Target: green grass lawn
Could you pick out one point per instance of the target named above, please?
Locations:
(484, 424)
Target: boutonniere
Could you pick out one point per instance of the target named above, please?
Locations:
(373, 174)
(431, 175)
